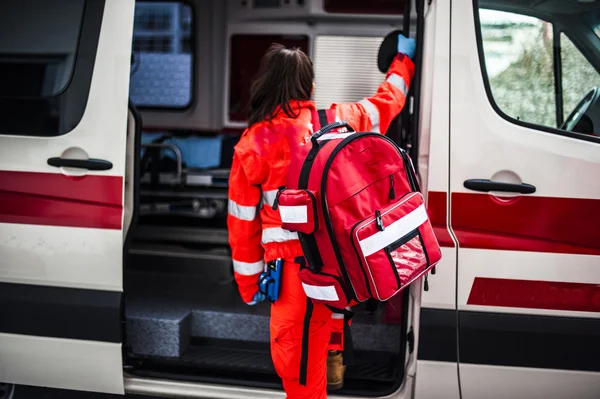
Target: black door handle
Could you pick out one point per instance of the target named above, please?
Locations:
(89, 164)
(486, 186)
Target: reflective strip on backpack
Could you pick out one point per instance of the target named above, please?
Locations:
(294, 214)
(394, 231)
(373, 114)
(248, 269)
(326, 293)
(333, 136)
(241, 212)
(277, 234)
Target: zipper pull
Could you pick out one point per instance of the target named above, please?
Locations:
(276, 201)
(392, 189)
(426, 287)
(433, 270)
(379, 222)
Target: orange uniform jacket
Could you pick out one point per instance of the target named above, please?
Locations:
(260, 165)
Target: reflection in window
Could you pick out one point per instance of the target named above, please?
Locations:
(519, 63)
(161, 70)
(38, 44)
(578, 75)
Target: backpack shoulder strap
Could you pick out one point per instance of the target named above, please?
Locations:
(322, 117)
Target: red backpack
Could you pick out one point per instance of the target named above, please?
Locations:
(355, 202)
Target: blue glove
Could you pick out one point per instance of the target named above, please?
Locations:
(406, 46)
(258, 297)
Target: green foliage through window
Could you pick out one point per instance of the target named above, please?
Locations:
(519, 59)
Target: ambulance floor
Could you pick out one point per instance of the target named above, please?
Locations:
(191, 327)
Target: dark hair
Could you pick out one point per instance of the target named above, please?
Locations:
(284, 75)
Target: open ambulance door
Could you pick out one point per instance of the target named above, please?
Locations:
(64, 67)
(524, 199)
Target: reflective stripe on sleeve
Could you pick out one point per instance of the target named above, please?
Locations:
(398, 82)
(373, 114)
(241, 211)
(268, 197)
(248, 269)
(277, 234)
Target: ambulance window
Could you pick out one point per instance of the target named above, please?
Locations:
(518, 55)
(244, 61)
(578, 75)
(364, 7)
(40, 42)
(355, 78)
(162, 61)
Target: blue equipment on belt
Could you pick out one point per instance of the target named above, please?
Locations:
(269, 281)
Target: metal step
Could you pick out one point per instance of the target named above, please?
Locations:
(372, 373)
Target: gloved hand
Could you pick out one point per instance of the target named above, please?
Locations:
(406, 46)
(258, 297)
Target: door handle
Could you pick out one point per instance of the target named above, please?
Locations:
(486, 186)
(89, 164)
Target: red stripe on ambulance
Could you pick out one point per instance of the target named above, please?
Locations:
(536, 224)
(578, 297)
(437, 208)
(53, 199)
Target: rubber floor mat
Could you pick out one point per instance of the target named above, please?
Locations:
(256, 359)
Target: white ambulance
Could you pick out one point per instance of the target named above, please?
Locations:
(115, 273)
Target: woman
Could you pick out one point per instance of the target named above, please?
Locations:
(280, 110)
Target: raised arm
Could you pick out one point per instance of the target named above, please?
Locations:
(375, 113)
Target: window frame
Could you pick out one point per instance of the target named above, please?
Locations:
(80, 78)
(556, 30)
(193, 44)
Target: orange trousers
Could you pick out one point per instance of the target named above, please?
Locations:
(290, 314)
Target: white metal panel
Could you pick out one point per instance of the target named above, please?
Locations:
(435, 96)
(514, 382)
(437, 380)
(61, 363)
(532, 266)
(61, 257)
(435, 139)
(345, 69)
(442, 284)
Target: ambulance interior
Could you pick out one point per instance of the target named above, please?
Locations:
(192, 64)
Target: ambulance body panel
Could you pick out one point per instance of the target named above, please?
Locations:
(513, 307)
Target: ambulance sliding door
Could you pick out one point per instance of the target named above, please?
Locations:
(63, 122)
(525, 194)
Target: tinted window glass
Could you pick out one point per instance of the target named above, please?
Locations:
(38, 44)
(578, 76)
(40, 67)
(162, 64)
(519, 63)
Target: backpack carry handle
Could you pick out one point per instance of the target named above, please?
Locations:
(326, 129)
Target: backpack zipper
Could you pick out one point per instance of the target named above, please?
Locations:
(392, 188)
